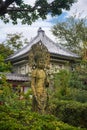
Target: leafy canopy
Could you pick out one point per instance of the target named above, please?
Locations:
(4, 67)
(8, 47)
(18, 9)
(73, 32)
(12, 43)
(15, 41)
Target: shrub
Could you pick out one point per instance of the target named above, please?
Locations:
(71, 112)
(76, 81)
(67, 86)
(27, 120)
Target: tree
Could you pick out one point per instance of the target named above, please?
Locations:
(5, 51)
(17, 9)
(73, 35)
(14, 41)
(73, 32)
(12, 44)
(4, 67)
(8, 47)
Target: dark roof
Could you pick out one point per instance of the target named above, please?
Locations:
(16, 77)
(52, 47)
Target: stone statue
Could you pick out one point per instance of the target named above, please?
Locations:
(39, 83)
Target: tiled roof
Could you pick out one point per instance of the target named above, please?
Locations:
(51, 46)
(16, 77)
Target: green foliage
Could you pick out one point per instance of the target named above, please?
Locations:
(62, 78)
(83, 72)
(68, 100)
(76, 95)
(72, 94)
(61, 81)
(5, 50)
(71, 112)
(69, 86)
(14, 41)
(12, 99)
(16, 114)
(4, 67)
(25, 120)
(8, 47)
(28, 14)
(73, 31)
(75, 81)
(79, 76)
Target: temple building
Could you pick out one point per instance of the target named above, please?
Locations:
(60, 58)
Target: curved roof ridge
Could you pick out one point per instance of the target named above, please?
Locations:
(50, 39)
(52, 46)
(22, 48)
(65, 49)
(61, 47)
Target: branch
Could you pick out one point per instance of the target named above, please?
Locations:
(4, 5)
(14, 9)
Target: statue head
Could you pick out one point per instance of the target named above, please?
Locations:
(39, 56)
(40, 62)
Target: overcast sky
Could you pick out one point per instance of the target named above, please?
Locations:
(29, 31)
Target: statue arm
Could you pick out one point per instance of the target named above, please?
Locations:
(33, 86)
(46, 81)
(33, 82)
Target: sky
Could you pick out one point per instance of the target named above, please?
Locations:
(30, 31)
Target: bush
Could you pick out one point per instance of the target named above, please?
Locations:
(71, 112)
(16, 114)
(76, 95)
(76, 80)
(67, 86)
(71, 94)
(27, 120)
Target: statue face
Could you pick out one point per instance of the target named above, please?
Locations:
(41, 63)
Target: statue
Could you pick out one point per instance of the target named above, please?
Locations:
(39, 82)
